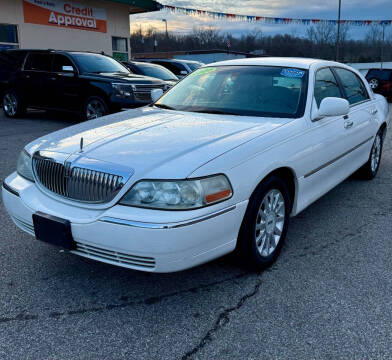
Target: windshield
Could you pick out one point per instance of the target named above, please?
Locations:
(241, 90)
(95, 63)
(157, 72)
(193, 66)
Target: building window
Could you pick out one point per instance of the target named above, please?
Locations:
(8, 36)
(120, 48)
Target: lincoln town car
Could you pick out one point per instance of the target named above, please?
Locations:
(216, 165)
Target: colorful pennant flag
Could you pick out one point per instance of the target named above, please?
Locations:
(269, 20)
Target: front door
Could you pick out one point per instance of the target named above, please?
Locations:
(65, 85)
(331, 141)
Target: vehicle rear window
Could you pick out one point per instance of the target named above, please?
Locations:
(39, 62)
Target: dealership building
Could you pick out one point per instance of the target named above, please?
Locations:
(88, 25)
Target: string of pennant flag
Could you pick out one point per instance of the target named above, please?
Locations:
(269, 20)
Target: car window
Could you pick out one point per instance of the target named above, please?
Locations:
(39, 62)
(157, 72)
(96, 63)
(265, 91)
(193, 66)
(353, 86)
(14, 59)
(380, 74)
(175, 68)
(325, 85)
(60, 61)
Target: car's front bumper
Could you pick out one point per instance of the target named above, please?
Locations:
(113, 236)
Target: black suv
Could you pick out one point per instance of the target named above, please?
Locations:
(380, 80)
(91, 84)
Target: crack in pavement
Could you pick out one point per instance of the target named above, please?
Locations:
(148, 301)
(222, 320)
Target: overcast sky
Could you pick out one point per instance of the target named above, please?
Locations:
(323, 9)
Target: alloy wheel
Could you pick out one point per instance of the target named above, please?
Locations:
(10, 104)
(270, 222)
(373, 83)
(95, 109)
(376, 153)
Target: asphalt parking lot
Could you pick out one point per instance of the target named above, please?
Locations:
(329, 296)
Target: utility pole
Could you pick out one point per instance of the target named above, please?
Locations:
(338, 35)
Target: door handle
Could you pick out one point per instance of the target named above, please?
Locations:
(348, 124)
(27, 76)
(374, 111)
(53, 78)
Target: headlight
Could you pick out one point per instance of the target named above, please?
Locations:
(123, 90)
(178, 194)
(24, 167)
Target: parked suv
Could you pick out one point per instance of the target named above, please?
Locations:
(88, 83)
(380, 80)
(180, 68)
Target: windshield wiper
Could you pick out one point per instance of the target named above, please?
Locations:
(163, 106)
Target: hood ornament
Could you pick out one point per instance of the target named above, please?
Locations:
(81, 145)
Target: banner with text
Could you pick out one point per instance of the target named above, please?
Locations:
(66, 14)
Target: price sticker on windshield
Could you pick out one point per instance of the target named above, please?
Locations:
(292, 73)
(203, 71)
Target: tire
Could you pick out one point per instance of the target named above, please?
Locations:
(374, 83)
(94, 107)
(12, 104)
(253, 250)
(370, 169)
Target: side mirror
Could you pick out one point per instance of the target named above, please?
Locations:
(156, 94)
(333, 106)
(183, 72)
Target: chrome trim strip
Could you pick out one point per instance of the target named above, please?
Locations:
(337, 158)
(144, 225)
(10, 189)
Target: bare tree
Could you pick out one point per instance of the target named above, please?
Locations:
(374, 34)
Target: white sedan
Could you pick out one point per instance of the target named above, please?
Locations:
(217, 164)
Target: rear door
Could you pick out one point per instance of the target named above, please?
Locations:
(35, 75)
(359, 127)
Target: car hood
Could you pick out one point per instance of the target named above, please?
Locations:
(155, 142)
(122, 77)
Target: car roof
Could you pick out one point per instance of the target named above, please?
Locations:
(167, 60)
(303, 63)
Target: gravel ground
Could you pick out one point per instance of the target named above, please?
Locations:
(327, 297)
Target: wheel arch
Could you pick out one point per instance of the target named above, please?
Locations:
(383, 128)
(288, 175)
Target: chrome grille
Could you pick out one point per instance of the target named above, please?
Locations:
(78, 183)
(143, 92)
(114, 256)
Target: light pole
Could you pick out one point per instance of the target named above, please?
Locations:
(165, 21)
(338, 35)
(382, 45)
(167, 35)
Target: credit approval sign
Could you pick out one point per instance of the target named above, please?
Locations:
(66, 14)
